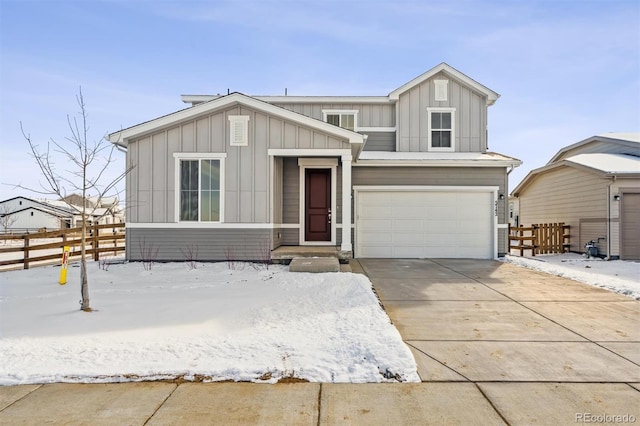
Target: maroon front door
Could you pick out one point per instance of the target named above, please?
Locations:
(317, 205)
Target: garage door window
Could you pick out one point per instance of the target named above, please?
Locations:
(441, 123)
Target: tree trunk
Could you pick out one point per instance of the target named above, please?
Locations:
(84, 281)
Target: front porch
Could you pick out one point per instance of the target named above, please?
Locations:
(284, 254)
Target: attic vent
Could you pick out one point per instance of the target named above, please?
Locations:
(441, 87)
(239, 126)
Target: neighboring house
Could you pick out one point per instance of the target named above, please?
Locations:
(593, 186)
(514, 211)
(28, 215)
(23, 214)
(404, 175)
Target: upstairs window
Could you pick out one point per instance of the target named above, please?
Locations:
(441, 122)
(347, 119)
(200, 189)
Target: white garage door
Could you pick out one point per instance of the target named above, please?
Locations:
(423, 224)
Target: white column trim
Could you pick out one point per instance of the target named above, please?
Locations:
(346, 203)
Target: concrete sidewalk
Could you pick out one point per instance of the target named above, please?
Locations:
(494, 343)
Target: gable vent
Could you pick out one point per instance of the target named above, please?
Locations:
(441, 91)
(239, 130)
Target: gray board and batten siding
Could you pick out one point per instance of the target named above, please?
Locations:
(369, 115)
(151, 184)
(470, 112)
(247, 187)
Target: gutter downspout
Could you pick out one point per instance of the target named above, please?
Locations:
(613, 180)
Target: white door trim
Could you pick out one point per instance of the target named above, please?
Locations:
(318, 163)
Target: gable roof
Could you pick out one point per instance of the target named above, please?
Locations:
(603, 164)
(121, 137)
(45, 211)
(630, 140)
(454, 73)
(44, 205)
(608, 163)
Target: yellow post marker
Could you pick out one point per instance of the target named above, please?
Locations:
(64, 266)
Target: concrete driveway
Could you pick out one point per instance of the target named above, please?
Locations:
(495, 344)
(541, 349)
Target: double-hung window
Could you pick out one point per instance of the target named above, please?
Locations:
(441, 122)
(347, 119)
(200, 183)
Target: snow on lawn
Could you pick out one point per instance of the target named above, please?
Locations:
(621, 276)
(211, 323)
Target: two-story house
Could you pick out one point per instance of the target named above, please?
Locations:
(406, 175)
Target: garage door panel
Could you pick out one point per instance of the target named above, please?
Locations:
(409, 225)
(375, 225)
(409, 199)
(409, 238)
(377, 212)
(418, 224)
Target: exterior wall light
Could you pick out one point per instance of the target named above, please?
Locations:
(616, 197)
(501, 196)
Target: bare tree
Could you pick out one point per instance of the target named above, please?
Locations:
(88, 162)
(6, 218)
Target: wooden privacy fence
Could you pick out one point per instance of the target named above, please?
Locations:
(42, 246)
(543, 238)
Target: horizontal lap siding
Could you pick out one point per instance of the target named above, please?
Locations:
(211, 244)
(567, 195)
(380, 141)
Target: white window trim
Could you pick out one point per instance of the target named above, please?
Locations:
(244, 121)
(453, 128)
(178, 156)
(340, 112)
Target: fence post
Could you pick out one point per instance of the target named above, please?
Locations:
(534, 239)
(96, 255)
(26, 252)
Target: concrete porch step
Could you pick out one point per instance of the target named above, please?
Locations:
(314, 264)
(284, 254)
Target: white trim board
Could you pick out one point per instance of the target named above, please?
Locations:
(210, 225)
(317, 163)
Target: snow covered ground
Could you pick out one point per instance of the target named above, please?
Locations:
(209, 323)
(620, 276)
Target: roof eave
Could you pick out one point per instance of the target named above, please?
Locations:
(439, 163)
(123, 136)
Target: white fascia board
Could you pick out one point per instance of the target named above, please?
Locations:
(208, 225)
(430, 188)
(491, 95)
(308, 152)
(224, 101)
(326, 99)
(437, 163)
(196, 99)
(190, 99)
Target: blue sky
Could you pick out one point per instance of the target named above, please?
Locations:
(565, 69)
